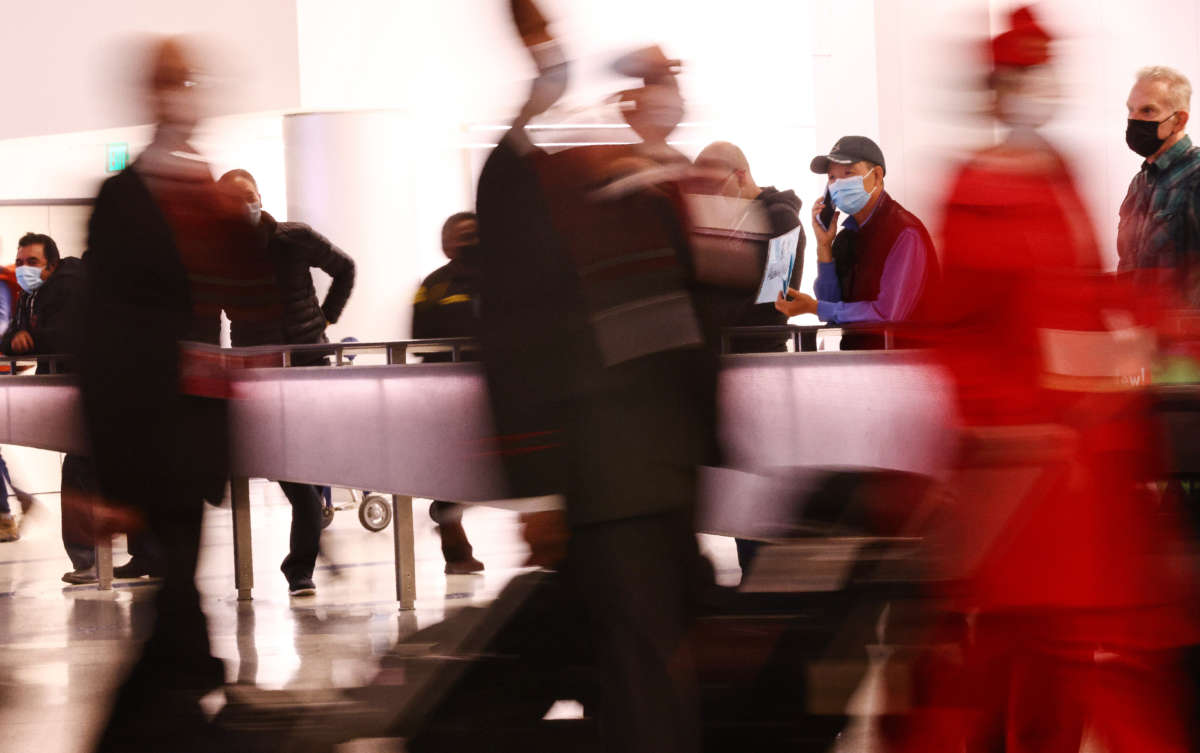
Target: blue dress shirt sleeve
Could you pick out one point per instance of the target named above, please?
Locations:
(899, 287)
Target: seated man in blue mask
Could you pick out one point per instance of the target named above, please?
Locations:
(880, 265)
(47, 320)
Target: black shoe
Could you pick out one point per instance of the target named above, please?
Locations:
(135, 568)
(82, 576)
(302, 587)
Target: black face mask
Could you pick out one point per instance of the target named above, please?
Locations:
(468, 253)
(1142, 136)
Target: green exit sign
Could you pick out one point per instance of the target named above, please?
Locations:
(118, 157)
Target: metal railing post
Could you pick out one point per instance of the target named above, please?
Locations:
(104, 563)
(405, 551)
(243, 557)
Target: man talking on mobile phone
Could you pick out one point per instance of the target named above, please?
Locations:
(879, 265)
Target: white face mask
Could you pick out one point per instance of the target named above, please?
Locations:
(180, 108)
(1034, 100)
(658, 107)
(1024, 111)
(850, 195)
(29, 278)
(254, 213)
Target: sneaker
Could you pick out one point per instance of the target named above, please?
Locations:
(134, 568)
(464, 567)
(302, 587)
(8, 528)
(81, 576)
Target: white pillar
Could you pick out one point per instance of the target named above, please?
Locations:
(378, 184)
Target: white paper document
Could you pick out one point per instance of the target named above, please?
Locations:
(781, 259)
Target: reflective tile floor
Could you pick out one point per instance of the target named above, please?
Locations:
(62, 648)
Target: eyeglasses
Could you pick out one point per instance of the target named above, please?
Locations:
(191, 82)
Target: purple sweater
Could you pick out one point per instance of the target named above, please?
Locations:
(903, 279)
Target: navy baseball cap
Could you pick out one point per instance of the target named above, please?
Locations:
(847, 151)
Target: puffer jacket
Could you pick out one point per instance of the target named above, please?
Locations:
(294, 249)
(51, 314)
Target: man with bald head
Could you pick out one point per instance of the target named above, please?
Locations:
(1158, 240)
(293, 249)
(725, 172)
(724, 158)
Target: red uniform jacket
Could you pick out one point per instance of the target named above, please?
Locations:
(1032, 333)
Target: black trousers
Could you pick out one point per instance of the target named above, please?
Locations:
(156, 708)
(638, 579)
(456, 547)
(305, 540)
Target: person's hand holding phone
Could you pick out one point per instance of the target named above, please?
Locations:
(825, 218)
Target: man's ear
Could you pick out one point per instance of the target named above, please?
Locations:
(876, 177)
(1181, 120)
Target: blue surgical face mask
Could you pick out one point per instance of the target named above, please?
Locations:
(849, 195)
(29, 278)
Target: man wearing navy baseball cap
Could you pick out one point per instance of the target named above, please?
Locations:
(877, 268)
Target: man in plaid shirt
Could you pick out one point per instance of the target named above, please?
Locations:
(1159, 237)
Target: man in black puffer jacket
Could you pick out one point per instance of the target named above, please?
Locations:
(294, 249)
(46, 314)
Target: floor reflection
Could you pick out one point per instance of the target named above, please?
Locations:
(64, 649)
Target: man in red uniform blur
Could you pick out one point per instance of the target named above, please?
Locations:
(1074, 620)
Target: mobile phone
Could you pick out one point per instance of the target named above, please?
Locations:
(826, 215)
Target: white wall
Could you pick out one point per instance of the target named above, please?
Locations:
(931, 54)
(457, 64)
(356, 178)
(930, 65)
(782, 78)
(70, 64)
(1104, 43)
(72, 166)
(67, 225)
